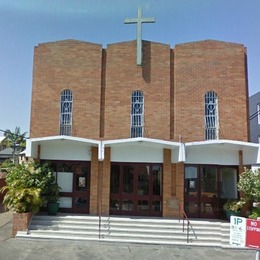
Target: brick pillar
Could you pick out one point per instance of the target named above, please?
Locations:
(106, 183)
(167, 184)
(93, 196)
(180, 183)
(173, 185)
(20, 222)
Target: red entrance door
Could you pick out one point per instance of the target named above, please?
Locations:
(201, 192)
(74, 180)
(136, 189)
(206, 188)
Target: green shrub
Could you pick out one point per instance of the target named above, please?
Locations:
(27, 186)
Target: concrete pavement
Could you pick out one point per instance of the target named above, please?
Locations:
(17, 249)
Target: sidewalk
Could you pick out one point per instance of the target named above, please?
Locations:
(5, 224)
(5, 216)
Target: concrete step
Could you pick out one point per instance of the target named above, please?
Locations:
(128, 229)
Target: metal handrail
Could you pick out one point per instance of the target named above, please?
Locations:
(189, 226)
(99, 226)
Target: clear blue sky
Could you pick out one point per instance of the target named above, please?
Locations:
(26, 23)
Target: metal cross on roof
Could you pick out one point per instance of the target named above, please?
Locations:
(139, 20)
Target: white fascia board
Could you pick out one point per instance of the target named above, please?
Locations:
(65, 138)
(222, 141)
(163, 143)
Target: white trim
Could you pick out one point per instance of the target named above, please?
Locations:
(216, 151)
(167, 144)
(223, 141)
(63, 138)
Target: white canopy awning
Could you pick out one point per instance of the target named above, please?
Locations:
(224, 152)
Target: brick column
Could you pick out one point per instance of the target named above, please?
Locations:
(167, 184)
(106, 182)
(93, 196)
(173, 184)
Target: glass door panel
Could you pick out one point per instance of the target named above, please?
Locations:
(191, 188)
(128, 179)
(209, 192)
(81, 187)
(143, 181)
(227, 187)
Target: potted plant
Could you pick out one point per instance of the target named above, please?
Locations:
(233, 207)
(52, 198)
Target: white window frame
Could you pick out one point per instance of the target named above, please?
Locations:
(137, 114)
(66, 102)
(211, 116)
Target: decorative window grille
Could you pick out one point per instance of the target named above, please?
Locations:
(211, 116)
(258, 113)
(66, 112)
(137, 114)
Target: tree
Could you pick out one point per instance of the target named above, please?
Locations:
(15, 140)
(249, 184)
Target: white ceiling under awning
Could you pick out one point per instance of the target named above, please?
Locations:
(142, 150)
(61, 148)
(224, 152)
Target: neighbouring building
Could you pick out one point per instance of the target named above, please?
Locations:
(142, 139)
(254, 119)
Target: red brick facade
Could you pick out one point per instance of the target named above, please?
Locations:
(210, 66)
(174, 83)
(63, 65)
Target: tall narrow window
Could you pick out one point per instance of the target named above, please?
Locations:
(137, 114)
(66, 112)
(211, 116)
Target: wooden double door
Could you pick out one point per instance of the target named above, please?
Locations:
(207, 188)
(74, 179)
(136, 189)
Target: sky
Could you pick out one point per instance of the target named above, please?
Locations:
(26, 23)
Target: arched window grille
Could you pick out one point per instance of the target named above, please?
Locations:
(66, 112)
(211, 116)
(137, 114)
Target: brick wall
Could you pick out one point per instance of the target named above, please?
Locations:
(63, 65)
(174, 83)
(210, 66)
(123, 76)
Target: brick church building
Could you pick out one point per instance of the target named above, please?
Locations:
(142, 139)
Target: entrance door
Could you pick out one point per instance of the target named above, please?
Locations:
(136, 189)
(201, 192)
(205, 190)
(74, 180)
(81, 188)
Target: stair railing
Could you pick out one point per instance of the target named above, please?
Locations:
(189, 226)
(99, 226)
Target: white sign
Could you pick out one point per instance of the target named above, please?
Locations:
(237, 231)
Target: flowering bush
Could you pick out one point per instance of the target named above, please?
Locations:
(234, 205)
(249, 184)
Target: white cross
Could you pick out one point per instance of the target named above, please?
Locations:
(139, 20)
